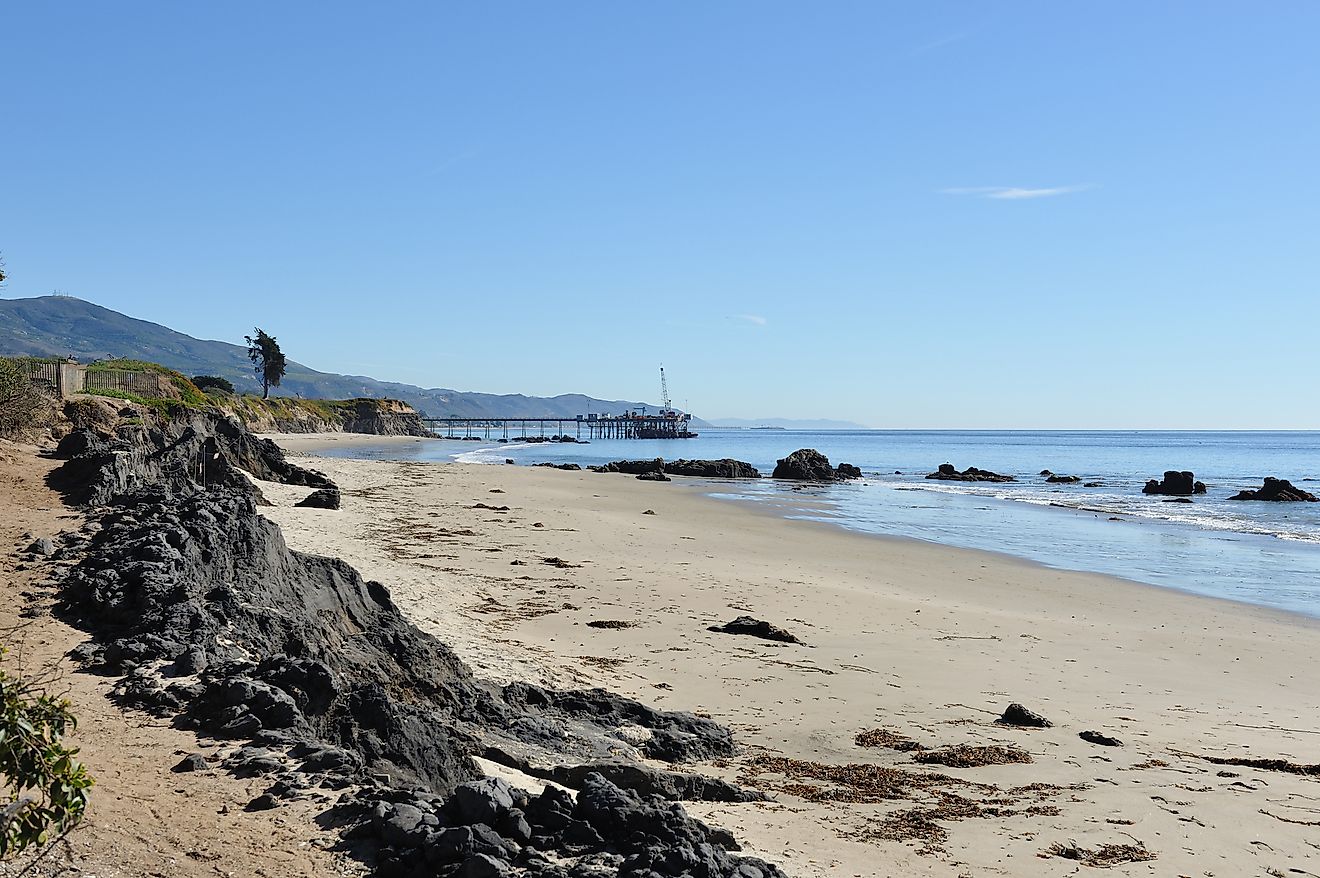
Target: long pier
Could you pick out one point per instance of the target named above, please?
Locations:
(594, 426)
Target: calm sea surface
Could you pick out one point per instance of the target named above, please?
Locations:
(1264, 553)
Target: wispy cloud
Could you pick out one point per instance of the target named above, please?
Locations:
(1016, 193)
(936, 44)
(754, 319)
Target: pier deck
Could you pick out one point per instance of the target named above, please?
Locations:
(582, 427)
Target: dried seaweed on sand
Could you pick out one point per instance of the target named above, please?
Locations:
(970, 756)
(933, 797)
(1102, 857)
(859, 783)
(886, 738)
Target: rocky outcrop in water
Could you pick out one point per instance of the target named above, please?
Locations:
(725, 468)
(1062, 480)
(948, 473)
(204, 614)
(1175, 484)
(809, 465)
(848, 471)
(1277, 490)
(631, 467)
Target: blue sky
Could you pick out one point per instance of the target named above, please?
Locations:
(908, 215)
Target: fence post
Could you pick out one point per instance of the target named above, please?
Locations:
(70, 378)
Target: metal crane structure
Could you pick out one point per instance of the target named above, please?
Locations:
(665, 408)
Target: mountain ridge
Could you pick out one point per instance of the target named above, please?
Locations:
(58, 326)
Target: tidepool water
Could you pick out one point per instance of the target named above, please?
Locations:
(1258, 552)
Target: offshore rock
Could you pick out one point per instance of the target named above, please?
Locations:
(1062, 480)
(1278, 490)
(1175, 483)
(948, 473)
(809, 465)
(725, 468)
(632, 467)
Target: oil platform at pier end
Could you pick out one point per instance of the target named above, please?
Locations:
(668, 423)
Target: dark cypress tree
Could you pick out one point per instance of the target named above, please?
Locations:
(267, 360)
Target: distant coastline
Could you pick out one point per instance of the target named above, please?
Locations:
(784, 424)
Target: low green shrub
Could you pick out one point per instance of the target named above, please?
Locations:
(163, 407)
(22, 405)
(46, 788)
(211, 383)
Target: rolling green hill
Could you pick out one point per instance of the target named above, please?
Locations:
(62, 326)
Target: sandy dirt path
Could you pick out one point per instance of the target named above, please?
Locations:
(144, 820)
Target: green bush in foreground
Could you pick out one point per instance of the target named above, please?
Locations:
(21, 404)
(45, 787)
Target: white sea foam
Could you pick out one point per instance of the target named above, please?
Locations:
(489, 453)
(1200, 514)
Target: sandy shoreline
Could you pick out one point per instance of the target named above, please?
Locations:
(928, 641)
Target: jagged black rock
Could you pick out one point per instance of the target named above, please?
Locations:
(198, 605)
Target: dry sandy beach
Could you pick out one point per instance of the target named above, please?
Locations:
(926, 642)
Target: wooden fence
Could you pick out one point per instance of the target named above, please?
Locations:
(44, 374)
(65, 379)
(150, 384)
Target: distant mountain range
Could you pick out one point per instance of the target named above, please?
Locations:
(786, 424)
(58, 326)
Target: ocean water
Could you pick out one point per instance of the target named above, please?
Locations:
(1262, 553)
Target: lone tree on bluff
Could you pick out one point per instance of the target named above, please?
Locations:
(267, 360)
